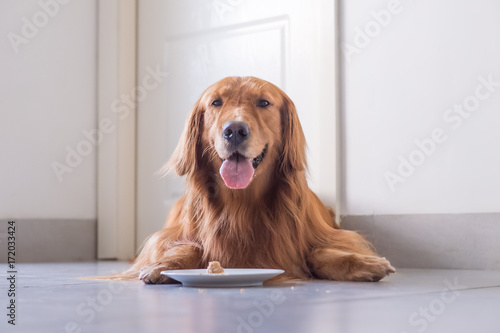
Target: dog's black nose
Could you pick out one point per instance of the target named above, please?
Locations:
(235, 132)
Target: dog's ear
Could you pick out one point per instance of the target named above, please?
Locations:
(185, 158)
(294, 143)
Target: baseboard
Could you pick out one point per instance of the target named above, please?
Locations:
(454, 241)
(51, 240)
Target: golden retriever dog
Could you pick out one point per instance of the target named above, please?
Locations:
(247, 203)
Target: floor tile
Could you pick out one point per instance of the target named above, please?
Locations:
(51, 298)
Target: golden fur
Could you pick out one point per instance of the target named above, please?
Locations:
(275, 222)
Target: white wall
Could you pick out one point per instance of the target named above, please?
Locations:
(399, 85)
(47, 98)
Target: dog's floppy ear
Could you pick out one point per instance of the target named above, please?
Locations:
(294, 143)
(186, 155)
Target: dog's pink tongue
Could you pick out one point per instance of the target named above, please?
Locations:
(237, 172)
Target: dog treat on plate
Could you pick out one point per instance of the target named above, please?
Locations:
(214, 267)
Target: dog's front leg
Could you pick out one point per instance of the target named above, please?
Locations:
(348, 257)
(338, 265)
(181, 256)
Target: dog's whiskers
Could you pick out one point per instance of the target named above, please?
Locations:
(204, 151)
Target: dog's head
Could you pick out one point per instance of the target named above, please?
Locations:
(242, 127)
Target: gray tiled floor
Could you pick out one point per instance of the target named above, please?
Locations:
(50, 298)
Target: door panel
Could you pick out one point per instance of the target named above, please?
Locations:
(289, 43)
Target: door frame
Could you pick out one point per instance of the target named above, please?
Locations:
(116, 153)
(339, 119)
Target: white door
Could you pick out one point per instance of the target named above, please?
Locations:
(197, 42)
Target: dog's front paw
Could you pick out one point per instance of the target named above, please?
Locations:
(152, 275)
(371, 268)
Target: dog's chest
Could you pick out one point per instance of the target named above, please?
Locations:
(238, 246)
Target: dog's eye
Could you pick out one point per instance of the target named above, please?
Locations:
(263, 103)
(217, 102)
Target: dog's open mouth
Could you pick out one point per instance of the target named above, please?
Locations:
(237, 171)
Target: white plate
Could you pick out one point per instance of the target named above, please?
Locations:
(232, 277)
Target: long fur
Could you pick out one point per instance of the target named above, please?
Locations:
(276, 222)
